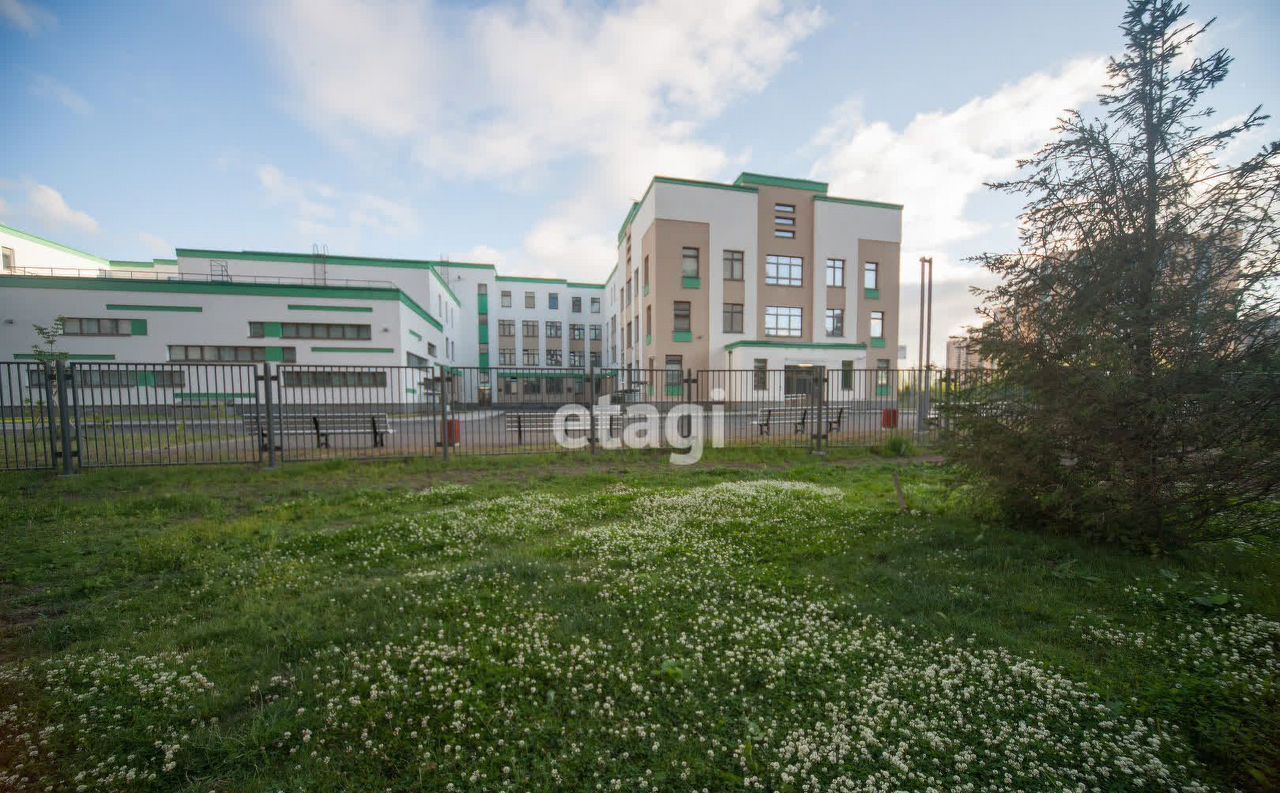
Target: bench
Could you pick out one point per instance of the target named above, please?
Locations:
(767, 417)
(322, 425)
(531, 423)
(833, 422)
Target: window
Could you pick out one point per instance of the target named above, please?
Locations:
(732, 317)
(595, 305)
(506, 357)
(846, 375)
(882, 377)
(595, 359)
(416, 361)
(682, 317)
(328, 378)
(760, 374)
(783, 321)
(530, 300)
(83, 326)
(784, 270)
(645, 271)
(835, 322)
(871, 275)
(689, 262)
(313, 330)
(555, 358)
(784, 221)
(506, 298)
(791, 208)
(532, 386)
(506, 327)
(835, 272)
(530, 358)
(206, 352)
(131, 378)
(529, 328)
(10, 263)
(733, 265)
(431, 348)
(877, 324)
(576, 359)
(575, 305)
(595, 333)
(577, 332)
(553, 300)
(786, 234)
(553, 330)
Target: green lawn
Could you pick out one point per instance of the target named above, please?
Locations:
(765, 620)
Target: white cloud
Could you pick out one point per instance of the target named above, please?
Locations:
(27, 17)
(50, 209)
(510, 92)
(46, 87)
(325, 214)
(156, 246)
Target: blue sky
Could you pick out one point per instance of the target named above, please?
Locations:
(519, 132)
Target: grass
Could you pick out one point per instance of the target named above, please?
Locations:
(765, 619)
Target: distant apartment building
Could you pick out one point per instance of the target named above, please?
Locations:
(765, 272)
(962, 355)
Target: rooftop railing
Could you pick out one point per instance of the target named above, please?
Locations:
(149, 275)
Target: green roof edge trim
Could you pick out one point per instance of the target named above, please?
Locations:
(354, 349)
(747, 178)
(858, 202)
(51, 244)
(799, 344)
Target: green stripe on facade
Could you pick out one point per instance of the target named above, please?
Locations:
(746, 178)
(273, 330)
(354, 349)
(274, 354)
(140, 307)
(315, 307)
(530, 280)
(51, 244)
(137, 327)
(576, 285)
(798, 345)
(211, 396)
(75, 356)
(415, 334)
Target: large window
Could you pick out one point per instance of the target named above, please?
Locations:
(682, 317)
(553, 330)
(595, 305)
(313, 330)
(413, 359)
(732, 317)
(576, 359)
(530, 328)
(871, 275)
(206, 352)
(506, 298)
(84, 326)
(835, 272)
(689, 262)
(507, 327)
(733, 265)
(835, 322)
(577, 332)
(330, 378)
(877, 324)
(530, 358)
(131, 378)
(530, 300)
(555, 358)
(506, 357)
(784, 270)
(783, 321)
(595, 333)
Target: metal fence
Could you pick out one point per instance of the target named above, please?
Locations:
(72, 415)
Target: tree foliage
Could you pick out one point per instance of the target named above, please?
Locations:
(1137, 321)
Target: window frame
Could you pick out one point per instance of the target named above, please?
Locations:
(731, 311)
(836, 273)
(773, 264)
(794, 316)
(734, 260)
(677, 315)
(838, 315)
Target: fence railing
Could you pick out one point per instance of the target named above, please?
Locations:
(66, 415)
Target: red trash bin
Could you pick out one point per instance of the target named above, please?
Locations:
(454, 431)
(889, 418)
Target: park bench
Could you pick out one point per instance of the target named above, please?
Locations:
(532, 423)
(834, 419)
(323, 425)
(797, 417)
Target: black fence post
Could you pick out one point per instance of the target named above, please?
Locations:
(64, 418)
(820, 428)
(444, 412)
(591, 406)
(267, 404)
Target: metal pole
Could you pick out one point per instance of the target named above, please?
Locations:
(591, 404)
(928, 333)
(267, 402)
(444, 413)
(64, 420)
(920, 338)
(821, 427)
